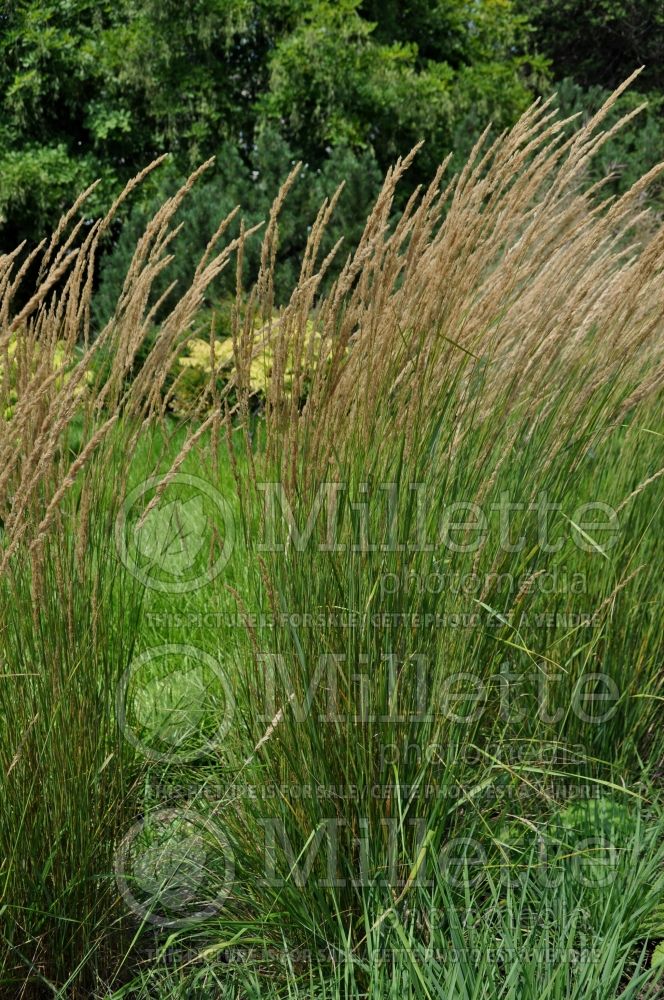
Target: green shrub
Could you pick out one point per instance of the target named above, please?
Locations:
(254, 186)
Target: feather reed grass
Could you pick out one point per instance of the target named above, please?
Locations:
(499, 337)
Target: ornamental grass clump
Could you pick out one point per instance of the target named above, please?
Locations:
(444, 571)
(488, 373)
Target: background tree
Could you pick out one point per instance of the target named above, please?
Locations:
(97, 88)
(600, 42)
(94, 88)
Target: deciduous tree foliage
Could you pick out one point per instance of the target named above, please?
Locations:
(600, 42)
(97, 88)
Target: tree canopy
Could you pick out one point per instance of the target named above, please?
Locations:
(98, 88)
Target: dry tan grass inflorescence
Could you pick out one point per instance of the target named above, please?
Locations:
(512, 270)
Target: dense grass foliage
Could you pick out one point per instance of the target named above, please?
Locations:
(350, 687)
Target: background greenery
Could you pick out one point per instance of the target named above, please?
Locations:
(95, 90)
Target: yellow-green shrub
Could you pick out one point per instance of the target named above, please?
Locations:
(10, 370)
(194, 368)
